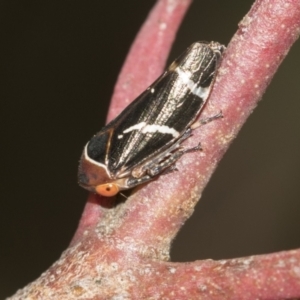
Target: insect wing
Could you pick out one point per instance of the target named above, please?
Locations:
(160, 115)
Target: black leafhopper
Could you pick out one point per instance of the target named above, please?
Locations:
(145, 139)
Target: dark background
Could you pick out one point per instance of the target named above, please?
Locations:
(59, 61)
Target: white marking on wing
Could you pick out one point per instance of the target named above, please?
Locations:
(161, 129)
(146, 128)
(198, 91)
(86, 156)
(201, 92)
(135, 127)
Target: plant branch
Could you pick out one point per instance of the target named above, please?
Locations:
(122, 252)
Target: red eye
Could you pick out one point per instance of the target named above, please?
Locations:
(107, 189)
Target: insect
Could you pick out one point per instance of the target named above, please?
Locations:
(145, 139)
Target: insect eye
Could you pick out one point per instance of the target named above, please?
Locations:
(107, 189)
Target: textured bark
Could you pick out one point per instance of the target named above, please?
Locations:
(122, 251)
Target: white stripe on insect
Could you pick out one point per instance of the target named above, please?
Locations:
(86, 156)
(161, 129)
(135, 127)
(146, 128)
(198, 91)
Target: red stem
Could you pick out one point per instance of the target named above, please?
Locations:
(121, 252)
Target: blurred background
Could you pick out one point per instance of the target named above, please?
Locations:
(59, 62)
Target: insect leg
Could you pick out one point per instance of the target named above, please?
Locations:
(138, 172)
(156, 169)
(171, 169)
(163, 168)
(195, 125)
(132, 181)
